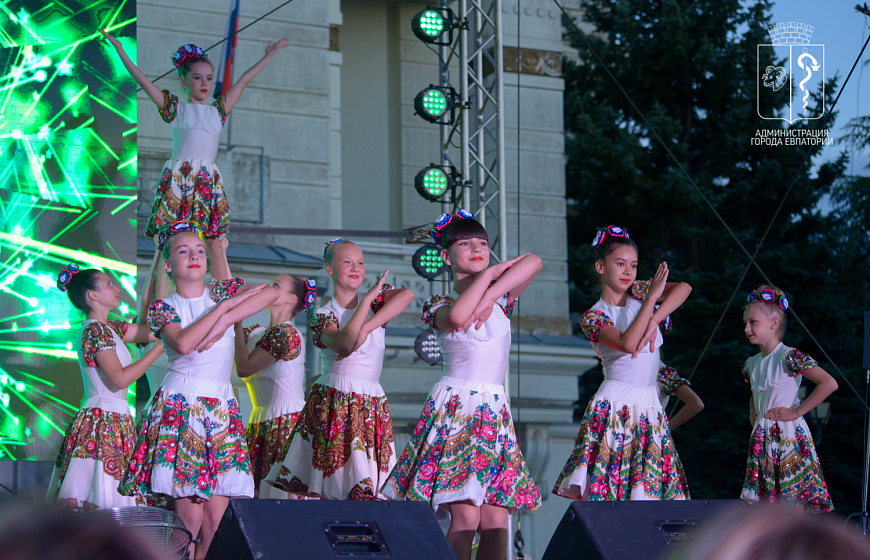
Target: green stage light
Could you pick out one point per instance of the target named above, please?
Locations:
(433, 181)
(434, 25)
(435, 102)
(427, 261)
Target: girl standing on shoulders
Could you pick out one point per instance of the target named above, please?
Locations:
(191, 188)
(464, 454)
(624, 449)
(782, 464)
(272, 363)
(191, 442)
(99, 439)
(342, 446)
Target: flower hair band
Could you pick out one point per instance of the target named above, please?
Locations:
(767, 295)
(185, 53)
(173, 228)
(609, 231)
(445, 219)
(332, 242)
(65, 275)
(310, 293)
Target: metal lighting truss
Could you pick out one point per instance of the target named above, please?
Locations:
(481, 113)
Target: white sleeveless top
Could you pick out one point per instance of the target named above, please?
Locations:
(196, 129)
(100, 392)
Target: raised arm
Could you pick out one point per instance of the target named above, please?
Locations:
(629, 340)
(236, 90)
(153, 91)
(138, 332)
(395, 301)
(122, 377)
(456, 316)
(257, 302)
(342, 341)
(249, 363)
(186, 340)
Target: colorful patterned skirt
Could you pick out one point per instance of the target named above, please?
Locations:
(342, 446)
(268, 440)
(190, 191)
(624, 450)
(783, 465)
(92, 459)
(464, 448)
(189, 446)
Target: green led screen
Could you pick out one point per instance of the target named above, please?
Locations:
(67, 194)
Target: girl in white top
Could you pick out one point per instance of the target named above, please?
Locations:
(191, 188)
(342, 447)
(190, 444)
(782, 464)
(463, 453)
(99, 439)
(272, 363)
(624, 449)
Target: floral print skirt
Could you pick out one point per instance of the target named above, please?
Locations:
(464, 448)
(190, 191)
(624, 450)
(268, 442)
(91, 460)
(189, 446)
(783, 465)
(342, 446)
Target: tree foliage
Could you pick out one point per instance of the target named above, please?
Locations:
(691, 68)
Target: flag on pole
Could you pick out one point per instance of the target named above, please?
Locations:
(224, 75)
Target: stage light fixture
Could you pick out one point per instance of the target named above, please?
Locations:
(428, 348)
(434, 102)
(434, 25)
(427, 261)
(433, 181)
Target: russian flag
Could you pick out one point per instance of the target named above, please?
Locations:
(224, 75)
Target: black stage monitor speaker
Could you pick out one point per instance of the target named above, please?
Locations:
(325, 529)
(628, 530)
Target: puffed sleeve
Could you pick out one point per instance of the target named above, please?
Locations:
(95, 338)
(220, 105)
(431, 306)
(797, 361)
(380, 300)
(161, 314)
(248, 330)
(119, 327)
(669, 380)
(593, 321)
(639, 290)
(667, 324)
(507, 304)
(318, 323)
(224, 289)
(745, 371)
(282, 342)
(170, 107)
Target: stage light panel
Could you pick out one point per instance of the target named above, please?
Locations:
(434, 102)
(434, 25)
(432, 182)
(428, 348)
(427, 261)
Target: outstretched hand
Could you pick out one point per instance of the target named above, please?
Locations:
(272, 48)
(111, 38)
(376, 288)
(500, 268)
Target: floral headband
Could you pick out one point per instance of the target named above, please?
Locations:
(310, 293)
(65, 275)
(328, 243)
(767, 295)
(185, 53)
(609, 231)
(174, 228)
(445, 219)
